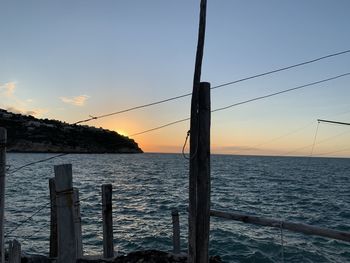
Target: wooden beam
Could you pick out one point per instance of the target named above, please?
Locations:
(295, 227)
(3, 141)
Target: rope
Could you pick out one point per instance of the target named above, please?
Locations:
(313, 144)
(183, 148)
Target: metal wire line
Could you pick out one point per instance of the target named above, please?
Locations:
(247, 101)
(32, 163)
(188, 94)
(26, 220)
(32, 215)
(216, 87)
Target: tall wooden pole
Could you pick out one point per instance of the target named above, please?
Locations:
(3, 140)
(203, 176)
(194, 139)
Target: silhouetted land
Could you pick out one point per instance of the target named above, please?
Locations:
(29, 134)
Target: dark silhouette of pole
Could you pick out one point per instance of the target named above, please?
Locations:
(194, 139)
(108, 247)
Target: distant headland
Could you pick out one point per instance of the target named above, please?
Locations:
(26, 133)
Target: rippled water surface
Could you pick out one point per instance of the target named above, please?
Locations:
(147, 186)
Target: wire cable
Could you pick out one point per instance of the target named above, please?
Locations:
(215, 87)
(245, 102)
(26, 220)
(188, 94)
(282, 91)
(14, 170)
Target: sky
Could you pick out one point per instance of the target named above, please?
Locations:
(69, 60)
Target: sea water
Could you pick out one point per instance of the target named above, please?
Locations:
(146, 187)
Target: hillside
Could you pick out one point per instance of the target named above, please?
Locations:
(29, 134)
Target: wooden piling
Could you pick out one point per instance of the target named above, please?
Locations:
(77, 223)
(3, 140)
(203, 177)
(108, 248)
(194, 139)
(53, 220)
(14, 252)
(67, 249)
(199, 209)
(176, 231)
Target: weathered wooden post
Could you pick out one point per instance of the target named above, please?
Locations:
(200, 176)
(176, 231)
(195, 144)
(14, 252)
(3, 140)
(77, 223)
(53, 220)
(108, 248)
(67, 249)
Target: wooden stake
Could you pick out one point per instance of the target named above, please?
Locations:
(53, 220)
(176, 231)
(108, 248)
(14, 252)
(200, 179)
(3, 141)
(67, 249)
(77, 223)
(203, 177)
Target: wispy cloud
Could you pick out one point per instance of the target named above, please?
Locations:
(76, 101)
(8, 88)
(11, 102)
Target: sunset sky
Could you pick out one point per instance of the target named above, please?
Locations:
(68, 59)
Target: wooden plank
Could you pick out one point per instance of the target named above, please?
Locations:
(53, 220)
(203, 176)
(14, 252)
(77, 223)
(176, 231)
(3, 140)
(108, 247)
(67, 250)
(295, 227)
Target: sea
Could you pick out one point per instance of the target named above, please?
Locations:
(146, 187)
